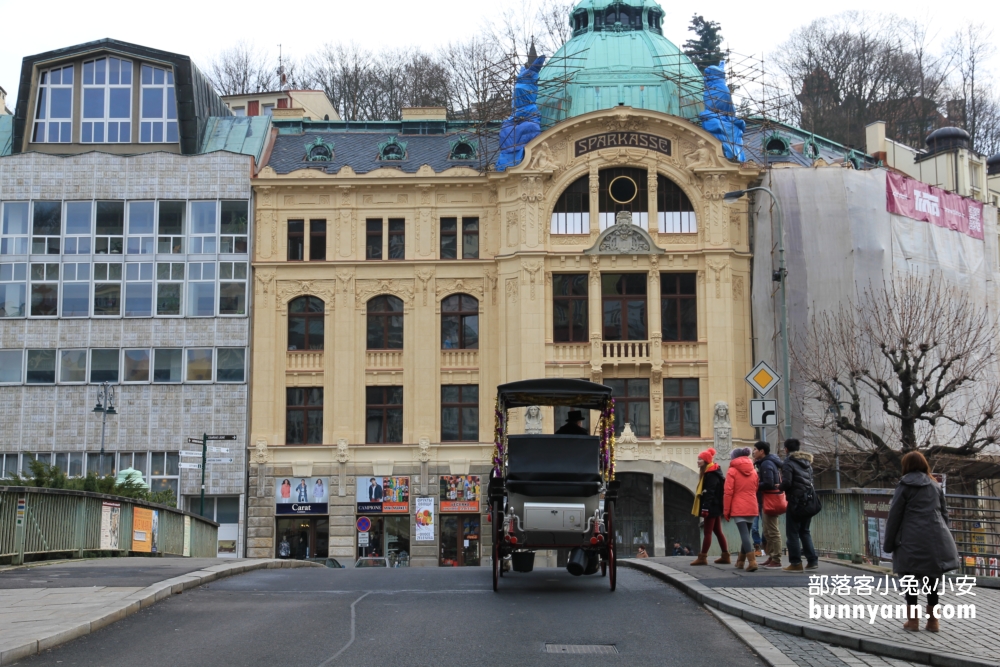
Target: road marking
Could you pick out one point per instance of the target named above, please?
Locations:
(346, 646)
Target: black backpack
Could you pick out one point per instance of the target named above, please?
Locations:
(805, 506)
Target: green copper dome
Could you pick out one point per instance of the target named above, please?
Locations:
(618, 56)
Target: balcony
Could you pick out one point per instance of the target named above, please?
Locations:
(684, 351)
(459, 358)
(568, 353)
(304, 361)
(384, 359)
(633, 352)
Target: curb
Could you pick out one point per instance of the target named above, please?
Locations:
(142, 599)
(764, 649)
(792, 626)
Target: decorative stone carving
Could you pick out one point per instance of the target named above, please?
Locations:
(700, 157)
(290, 289)
(542, 158)
(343, 452)
(531, 268)
(261, 454)
(622, 122)
(265, 284)
(723, 428)
(738, 287)
(717, 266)
(513, 218)
(533, 420)
(424, 445)
(624, 238)
(473, 286)
(741, 408)
(491, 280)
(424, 275)
(510, 287)
(627, 445)
(366, 289)
(344, 277)
(531, 189)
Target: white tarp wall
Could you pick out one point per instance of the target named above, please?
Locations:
(839, 237)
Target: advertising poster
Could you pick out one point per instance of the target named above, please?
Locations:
(919, 201)
(383, 495)
(425, 519)
(142, 530)
(155, 545)
(876, 511)
(187, 536)
(460, 493)
(111, 515)
(301, 495)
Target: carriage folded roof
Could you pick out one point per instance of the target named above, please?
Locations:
(554, 391)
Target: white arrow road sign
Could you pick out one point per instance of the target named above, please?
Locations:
(763, 412)
(198, 454)
(219, 459)
(194, 466)
(220, 450)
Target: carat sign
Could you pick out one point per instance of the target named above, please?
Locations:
(763, 378)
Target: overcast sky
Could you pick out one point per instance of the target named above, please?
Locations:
(200, 29)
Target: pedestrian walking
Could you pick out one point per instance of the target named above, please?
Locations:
(797, 483)
(769, 477)
(740, 503)
(917, 536)
(708, 505)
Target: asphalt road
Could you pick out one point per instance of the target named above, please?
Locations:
(133, 571)
(410, 617)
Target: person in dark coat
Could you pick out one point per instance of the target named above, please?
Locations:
(573, 425)
(769, 474)
(708, 504)
(796, 480)
(917, 536)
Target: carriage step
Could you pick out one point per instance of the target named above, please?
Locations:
(598, 649)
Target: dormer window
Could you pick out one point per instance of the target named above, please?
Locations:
(319, 151)
(580, 21)
(107, 101)
(776, 145)
(463, 150)
(54, 111)
(158, 123)
(392, 150)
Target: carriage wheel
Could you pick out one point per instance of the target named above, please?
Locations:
(612, 557)
(497, 563)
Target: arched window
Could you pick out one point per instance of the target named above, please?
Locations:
(385, 323)
(460, 323)
(463, 150)
(623, 189)
(392, 150)
(305, 323)
(674, 211)
(776, 145)
(320, 153)
(571, 214)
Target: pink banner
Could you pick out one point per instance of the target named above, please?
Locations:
(919, 201)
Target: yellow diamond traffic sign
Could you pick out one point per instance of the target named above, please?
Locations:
(763, 378)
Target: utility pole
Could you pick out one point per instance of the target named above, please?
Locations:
(204, 449)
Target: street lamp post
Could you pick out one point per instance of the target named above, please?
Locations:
(779, 277)
(106, 406)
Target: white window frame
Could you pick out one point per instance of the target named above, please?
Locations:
(216, 372)
(86, 366)
(20, 365)
(166, 122)
(233, 269)
(55, 372)
(172, 279)
(90, 364)
(106, 120)
(49, 269)
(153, 478)
(146, 240)
(192, 280)
(231, 238)
(171, 237)
(137, 273)
(149, 370)
(15, 244)
(71, 276)
(15, 268)
(78, 239)
(202, 243)
(42, 127)
(211, 374)
(105, 281)
(152, 371)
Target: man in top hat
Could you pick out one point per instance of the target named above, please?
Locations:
(573, 425)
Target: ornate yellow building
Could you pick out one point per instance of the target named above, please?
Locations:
(396, 285)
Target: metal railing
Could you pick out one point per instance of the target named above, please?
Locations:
(852, 525)
(38, 522)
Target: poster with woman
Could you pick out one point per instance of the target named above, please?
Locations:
(301, 495)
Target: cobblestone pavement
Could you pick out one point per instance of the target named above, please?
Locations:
(809, 653)
(977, 637)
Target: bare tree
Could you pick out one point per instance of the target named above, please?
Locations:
(910, 365)
(242, 69)
(971, 47)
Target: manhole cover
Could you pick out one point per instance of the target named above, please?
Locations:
(599, 649)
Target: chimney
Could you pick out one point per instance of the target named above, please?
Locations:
(875, 140)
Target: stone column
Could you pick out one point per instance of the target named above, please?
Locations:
(659, 539)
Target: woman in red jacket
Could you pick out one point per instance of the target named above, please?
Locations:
(740, 503)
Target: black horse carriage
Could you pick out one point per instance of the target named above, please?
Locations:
(546, 491)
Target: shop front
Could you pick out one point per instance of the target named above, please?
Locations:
(461, 524)
(302, 521)
(383, 521)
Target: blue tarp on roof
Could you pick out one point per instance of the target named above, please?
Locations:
(237, 134)
(6, 133)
